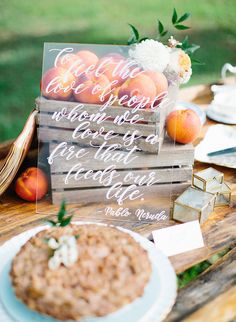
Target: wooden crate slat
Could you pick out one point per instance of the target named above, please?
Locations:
(162, 191)
(164, 175)
(169, 156)
(46, 134)
(62, 130)
(144, 129)
(50, 106)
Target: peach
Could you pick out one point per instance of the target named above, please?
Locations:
(159, 80)
(32, 184)
(112, 66)
(69, 62)
(183, 126)
(89, 87)
(141, 86)
(57, 84)
(87, 57)
(115, 56)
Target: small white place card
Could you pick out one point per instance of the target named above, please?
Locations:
(179, 238)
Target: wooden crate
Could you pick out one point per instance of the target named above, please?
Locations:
(173, 166)
(153, 124)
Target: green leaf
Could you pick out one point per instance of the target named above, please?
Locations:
(181, 27)
(164, 33)
(184, 17)
(53, 223)
(192, 48)
(61, 220)
(65, 221)
(132, 41)
(77, 236)
(144, 38)
(160, 27)
(62, 211)
(135, 31)
(185, 44)
(174, 16)
(134, 36)
(185, 40)
(187, 47)
(195, 61)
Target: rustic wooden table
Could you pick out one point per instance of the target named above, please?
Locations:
(212, 296)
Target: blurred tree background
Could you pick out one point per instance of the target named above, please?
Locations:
(25, 25)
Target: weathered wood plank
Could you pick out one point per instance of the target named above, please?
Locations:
(208, 287)
(218, 232)
(49, 134)
(143, 129)
(98, 194)
(221, 309)
(170, 155)
(50, 106)
(163, 175)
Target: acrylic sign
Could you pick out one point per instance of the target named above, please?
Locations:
(101, 134)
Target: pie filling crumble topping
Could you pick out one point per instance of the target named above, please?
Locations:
(79, 271)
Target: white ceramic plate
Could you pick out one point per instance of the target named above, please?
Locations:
(218, 137)
(222, 109)
(158, 299)
(220, 117)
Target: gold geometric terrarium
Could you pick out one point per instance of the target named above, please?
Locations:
(193, 204)
(208, 179)
(212, 181)
(223, 195)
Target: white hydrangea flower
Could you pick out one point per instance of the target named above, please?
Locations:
(179, 68)
(151, 55)
(66, 252)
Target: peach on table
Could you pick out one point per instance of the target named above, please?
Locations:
(183, 126)
(32, 184)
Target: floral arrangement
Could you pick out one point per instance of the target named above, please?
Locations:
(135, 76)
(174, 59)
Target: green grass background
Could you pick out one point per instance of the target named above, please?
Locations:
(26, 24)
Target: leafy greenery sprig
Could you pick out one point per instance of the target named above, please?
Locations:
(177, 22)
(62, 219)
(135, 38)
(161, 29)
(190, 50)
